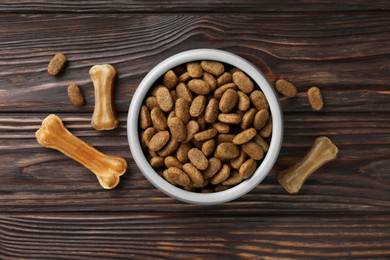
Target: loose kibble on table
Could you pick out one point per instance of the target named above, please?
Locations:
(205, 126)
(76, 95)
(286, 88)
(56, 64)
(315, 98)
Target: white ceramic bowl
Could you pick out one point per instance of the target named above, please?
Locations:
(133, 129)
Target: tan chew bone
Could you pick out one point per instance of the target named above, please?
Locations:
(104, 116)
(322, 151)
(107, 169)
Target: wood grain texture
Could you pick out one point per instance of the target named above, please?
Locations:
(51, 207)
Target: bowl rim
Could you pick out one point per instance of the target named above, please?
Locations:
(193, 197)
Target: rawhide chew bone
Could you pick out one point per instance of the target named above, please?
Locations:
(107, 169)
(104, 116)
(322, 151)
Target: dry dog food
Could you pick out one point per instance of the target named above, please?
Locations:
(76, 95)
(56, 64)
(286, 88)
(315, 98)
(205, 126)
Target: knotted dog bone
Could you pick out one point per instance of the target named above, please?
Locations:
(322, 151)
(104, 116)
(107, 169)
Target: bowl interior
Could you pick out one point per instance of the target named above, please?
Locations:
(193, 197)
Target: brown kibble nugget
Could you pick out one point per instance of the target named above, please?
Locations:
(243, 101)
(210, 80)
(148, 134)
(192, 128)
(184, 77)
(221, 128)
(199, 86)
(248, 117)
(227, 151)
(315, 98)
(247, 169)
(258, 100)
(260, 119)
(144, 118)
(198, 159)
(205, 135)
(260, 141)
(214, 166)
(244, 136)
(224, 79)
(208, 147)
(194, 70)
(198, 105)
(169, 148)
(159, 140)
(237, 162)
(159, 119)
(184, 92)
(177, 128)
(243, 82)
(182, 152)
(219, 91)
(202, 122)
(228, 101)
(211, 113)
(151, 102)
(286, 88)
(230, 118)
(221, 175)
(194, 174)
(178, 176)
(170, 79)
(234, 178)
(214, 67)
(225, 138)
(56, 64)
(267, 129)
(164, 99)
(157, 162)
(253, 150)
(76, 95)
(169, 178)
(182, 110)
(171, 161)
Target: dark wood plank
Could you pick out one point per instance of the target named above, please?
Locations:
(178, 6)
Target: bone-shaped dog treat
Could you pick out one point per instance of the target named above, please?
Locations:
(107, 169)
(104, 116)
(322, 151)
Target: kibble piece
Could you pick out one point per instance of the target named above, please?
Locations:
(171, 161)
(76, 95)
(221, 128)
(199, 86)
(315, 98)
(184, 77)
(170, 79)
(148, 134)
(267, 129)
(198, 105)
(151, 102)
(260, 141)
(177, 128)
(205, 135)
(221, 175)
(237, 162)
(154, 90)
(219, 91)
(169, 148)
(169, 178)
(260, 119)
(214, 67)
(242, 81)
(184, 92)
(194, 174)
(56, 64)
(194, 69)
(171, 114)
(164, 99)
(178, 176)
(159, 119)
(144, 118)
(244, 136)
(233, 179)
(253, 150)
(159, 140)
(247, 169)
(157, 162)
(182, 152)
(211, 113)
(202, 122)
(182, 110)
(286, 88)
(224, 79)
(192, 128)
(258, 100)
(210, 80)
(243, 101)
(228, 101)
(247, 118)
(198, 159)
(208, 147)
(214, 166)
(225, 138)
(232, 118)
(227, 151)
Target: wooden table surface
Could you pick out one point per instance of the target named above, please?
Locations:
(51, 207)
